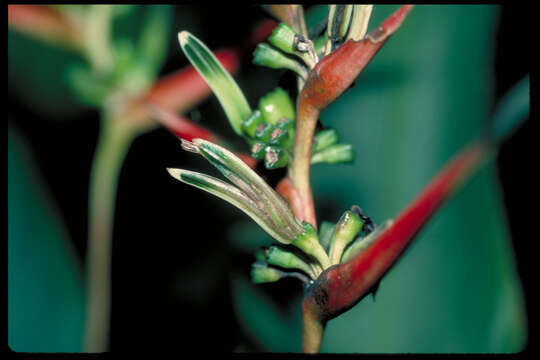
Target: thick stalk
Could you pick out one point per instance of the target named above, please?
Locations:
(305, 129)
(312, 328)
(113, 143)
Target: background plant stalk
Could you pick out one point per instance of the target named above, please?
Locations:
(113, 144)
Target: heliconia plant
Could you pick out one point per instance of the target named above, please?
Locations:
(339, 264)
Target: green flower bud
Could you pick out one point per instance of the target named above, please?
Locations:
(275, 157)
(285, 124)
(280, 138)
(308, 242)
(276, 105)
(346, 229)
(258, 150)
(324, 139)
(284, 38)
(339, 153)
(262, 273)
(250, 124)
(263, 132)
(326, 233)
(278, 257)
(265, 55)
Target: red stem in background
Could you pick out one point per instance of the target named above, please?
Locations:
(46, 23)
(186, 129)
(186, 88)
(180, 125)
(341, 286)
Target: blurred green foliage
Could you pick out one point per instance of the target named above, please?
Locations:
(45, 294)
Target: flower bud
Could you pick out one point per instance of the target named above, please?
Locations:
(346, 229)
(279, 257)
(263, 132)
(250, 124)
(265, 55)
(262, 273)
(339, 153)
(280, 138)
(275, 157)
(258, 150)
(324, 139)
(284, 38)
(308, 242)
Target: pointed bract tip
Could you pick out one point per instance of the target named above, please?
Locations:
(183, 37)
(175, 173)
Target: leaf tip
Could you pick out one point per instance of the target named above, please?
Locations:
(175, 173)
(183, 37)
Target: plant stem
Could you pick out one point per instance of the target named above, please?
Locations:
(114, 140)
(305, 129)
(312, 327)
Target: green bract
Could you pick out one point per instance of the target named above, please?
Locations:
(250, 193)
(222, 84)
(346, 229)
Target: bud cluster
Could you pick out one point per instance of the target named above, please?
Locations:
(270, 129)
(311, 253)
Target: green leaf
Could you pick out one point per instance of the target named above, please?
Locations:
(45, 290)
(220, 81)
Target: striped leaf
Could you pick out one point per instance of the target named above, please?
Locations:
(220, 81)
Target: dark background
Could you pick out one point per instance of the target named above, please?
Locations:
(164, 249)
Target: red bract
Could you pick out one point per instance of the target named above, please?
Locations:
(341, 286)
(325, 83)
(337, 71)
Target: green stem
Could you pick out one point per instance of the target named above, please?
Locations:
(113, 143)
(312, 328)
